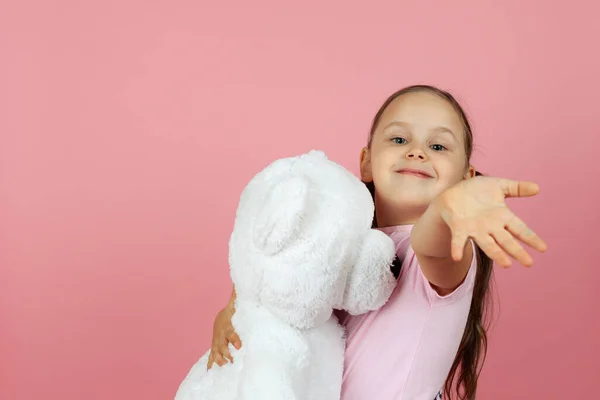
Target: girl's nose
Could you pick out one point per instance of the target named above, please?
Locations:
(416, 153)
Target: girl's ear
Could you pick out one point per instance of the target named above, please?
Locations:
(366, 174)
(470, 172)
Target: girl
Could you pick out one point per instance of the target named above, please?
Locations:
(449, 224)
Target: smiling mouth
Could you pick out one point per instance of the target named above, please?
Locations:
(414, 172)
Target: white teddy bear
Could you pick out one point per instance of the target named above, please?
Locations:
(302, 245)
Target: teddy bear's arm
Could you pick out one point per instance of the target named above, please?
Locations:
(267, 381)
(371, 281)
(274, 366)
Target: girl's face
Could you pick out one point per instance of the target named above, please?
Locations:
(416, 152)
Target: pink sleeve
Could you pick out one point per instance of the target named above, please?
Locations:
(411, 271)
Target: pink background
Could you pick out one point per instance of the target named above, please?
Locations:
(128, 130)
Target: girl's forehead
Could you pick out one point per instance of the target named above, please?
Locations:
(422, 110)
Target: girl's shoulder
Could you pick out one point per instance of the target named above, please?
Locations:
(400, 234)
(410, 276)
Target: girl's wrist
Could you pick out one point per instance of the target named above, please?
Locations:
(231, 303)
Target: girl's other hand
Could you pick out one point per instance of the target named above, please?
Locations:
(223, 334)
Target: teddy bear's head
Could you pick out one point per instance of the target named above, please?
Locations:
(300, 227)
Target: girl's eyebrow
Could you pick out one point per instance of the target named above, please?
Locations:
(396, 123)
(438, 129)
(443, 129)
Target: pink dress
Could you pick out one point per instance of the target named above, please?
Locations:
(404, 350)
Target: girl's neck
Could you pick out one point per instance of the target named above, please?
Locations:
(390, 215)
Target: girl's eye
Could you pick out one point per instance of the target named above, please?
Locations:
(438, 147)
(399, 140)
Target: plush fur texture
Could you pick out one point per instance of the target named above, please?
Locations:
(302, 245)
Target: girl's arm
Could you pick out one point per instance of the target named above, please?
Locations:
(231, 303)
(475, 208)
(430, 240)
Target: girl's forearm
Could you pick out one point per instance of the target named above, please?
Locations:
(431, 236)
(431, 240)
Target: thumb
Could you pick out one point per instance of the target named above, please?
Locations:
(512, 188)
(457, 244)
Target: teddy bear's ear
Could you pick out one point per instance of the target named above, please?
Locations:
(318, 154)
(281, 214)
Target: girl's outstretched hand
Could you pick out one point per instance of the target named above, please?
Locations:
(475, 208)
(223, 334)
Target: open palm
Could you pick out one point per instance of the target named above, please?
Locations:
(476, 208)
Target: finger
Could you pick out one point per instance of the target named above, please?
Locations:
(210, 361)
(219, 360)
(512, 188)
(508, 243)
(226, 354)
(457, 245)
(522, 232)
(235, 340)
(492, 249)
